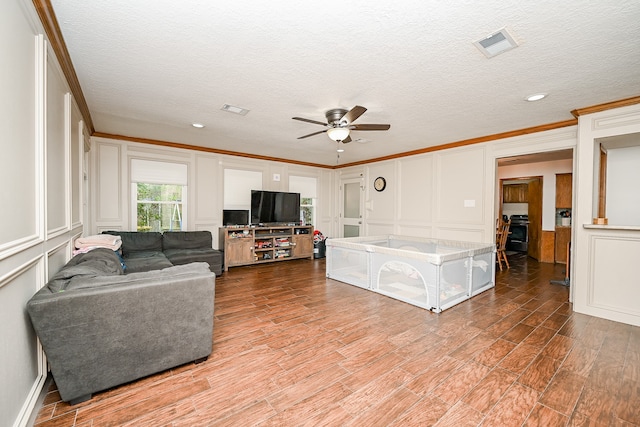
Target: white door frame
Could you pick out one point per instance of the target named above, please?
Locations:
(357, 220)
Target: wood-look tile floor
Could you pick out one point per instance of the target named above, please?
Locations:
(292, 348)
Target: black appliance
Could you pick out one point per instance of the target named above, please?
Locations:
(235, 217)
(518, 239)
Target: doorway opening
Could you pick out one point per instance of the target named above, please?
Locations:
(526, 194)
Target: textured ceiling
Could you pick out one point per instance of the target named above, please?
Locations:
(149, 68)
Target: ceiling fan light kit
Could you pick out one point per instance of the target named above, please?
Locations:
(338, 133)
(340, 124)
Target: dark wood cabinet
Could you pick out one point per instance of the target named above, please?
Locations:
(563, 236)
(515, 193)
(564, 183)
(302, 245)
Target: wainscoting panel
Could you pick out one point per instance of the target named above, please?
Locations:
(23, 371)
(614, 274)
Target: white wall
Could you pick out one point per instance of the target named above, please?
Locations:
(451, 194)
(604, 276)
(548, 171)
(111, 179)
(40, 169)
(446, 194)
(623, 185)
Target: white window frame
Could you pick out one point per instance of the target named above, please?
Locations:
(135, 202)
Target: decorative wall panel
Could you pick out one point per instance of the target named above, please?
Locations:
(460, 184)
(206, 189)
(109, 189)
(614, 274)
(57, 151)
(416, 189)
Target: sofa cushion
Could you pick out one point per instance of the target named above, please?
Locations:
(97, 262)
(140, 261)
(212, 257)
(186, 240)
(133, 241)
(151, 276)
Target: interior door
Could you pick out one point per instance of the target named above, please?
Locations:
(535, 219)
(351, 207)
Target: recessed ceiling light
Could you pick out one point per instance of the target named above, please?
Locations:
(536, 97)
(197, 125)
(236, 110)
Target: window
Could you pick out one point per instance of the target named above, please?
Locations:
(158, 195)
(307, 210)
(159, 207)
(618, 199)
(306, 186)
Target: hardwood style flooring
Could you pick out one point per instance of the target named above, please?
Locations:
(292, 348)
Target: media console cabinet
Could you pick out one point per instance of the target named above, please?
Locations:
(255, 245)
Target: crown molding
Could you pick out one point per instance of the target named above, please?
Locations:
(606, 106)
(54, 35)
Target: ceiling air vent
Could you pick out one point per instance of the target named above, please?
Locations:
(233, 109)
(496, 43)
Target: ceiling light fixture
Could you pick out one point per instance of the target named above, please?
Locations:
(197, 125)
(338, 134)
(535, 97)
(340, 150)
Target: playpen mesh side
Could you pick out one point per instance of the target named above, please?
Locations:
(482, 272)
(348, 265)
(454, 282)
(422, 283)
(429, 273)
(405, 280)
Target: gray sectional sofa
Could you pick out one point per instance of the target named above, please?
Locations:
(153, 250)
(102, 325)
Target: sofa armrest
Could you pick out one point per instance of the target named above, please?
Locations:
(120, 328)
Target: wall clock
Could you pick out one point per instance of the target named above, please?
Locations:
(379, 183)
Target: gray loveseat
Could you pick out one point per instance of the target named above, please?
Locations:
(100, 327)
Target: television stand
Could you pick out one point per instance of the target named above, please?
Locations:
(261, 244)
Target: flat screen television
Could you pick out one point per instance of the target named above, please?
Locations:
(269, 207)
(235, 217)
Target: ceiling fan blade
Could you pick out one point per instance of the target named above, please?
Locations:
(347, 139)
(302, 119)
(353, 114)
(311, 134)
(370, 127)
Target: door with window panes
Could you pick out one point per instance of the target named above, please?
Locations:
(351, 207)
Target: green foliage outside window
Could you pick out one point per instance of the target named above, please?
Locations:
(306, 210)
(159, 207)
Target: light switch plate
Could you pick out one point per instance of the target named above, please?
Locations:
(470, 203)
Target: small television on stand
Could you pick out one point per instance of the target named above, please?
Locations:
(235, 217)
(275, 207)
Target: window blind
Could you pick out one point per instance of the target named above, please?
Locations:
(154, 172)
(304, 185)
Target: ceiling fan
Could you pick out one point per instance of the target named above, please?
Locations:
(340, 124)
